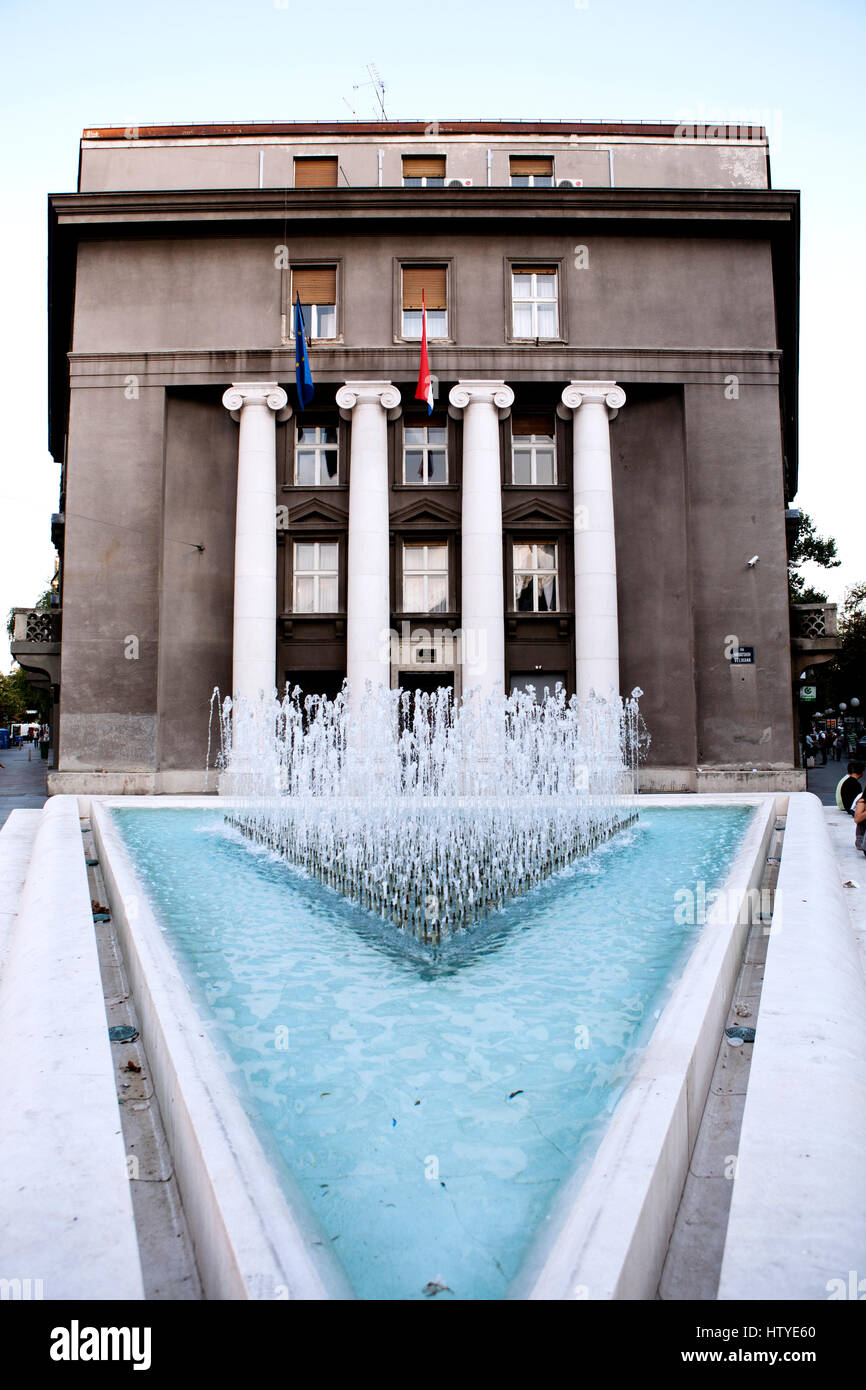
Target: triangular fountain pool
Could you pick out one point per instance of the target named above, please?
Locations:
(429, 1106)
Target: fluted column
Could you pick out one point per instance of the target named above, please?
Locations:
(484, 404)
(369, 405)
(255, 405)
(593, 404)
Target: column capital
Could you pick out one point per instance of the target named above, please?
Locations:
(381, 393)
(494, 393)
(268, 393)
(578, 393)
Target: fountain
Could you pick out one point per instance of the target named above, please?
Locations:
(431, 1107)
(428, 811)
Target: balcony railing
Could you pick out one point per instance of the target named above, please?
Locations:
(814, 622)
(40, 625)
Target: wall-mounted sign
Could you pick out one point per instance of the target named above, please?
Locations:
(743, 656)
(808, 692)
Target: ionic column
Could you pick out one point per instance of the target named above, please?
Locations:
(255, 405)
(593, 405)
(369, 405)
(484, 404)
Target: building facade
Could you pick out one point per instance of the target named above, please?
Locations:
(612, 329)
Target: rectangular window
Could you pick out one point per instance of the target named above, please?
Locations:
(423, 171)
(535, 301)
(316, 568)
(317, 287)
(316, 456)
(433, 280)
(536, 573)
(531, 171)
(533, 450)
(425, 453)
(425, 578)
(316, 173)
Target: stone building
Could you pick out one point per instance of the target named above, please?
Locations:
(599, 496)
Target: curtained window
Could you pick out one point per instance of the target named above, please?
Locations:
(316, 569)
(425, 578)
(536, 575)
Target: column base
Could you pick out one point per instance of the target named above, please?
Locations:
(181, 782)
(724, 780)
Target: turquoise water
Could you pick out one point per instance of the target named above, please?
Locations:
(429, 1106)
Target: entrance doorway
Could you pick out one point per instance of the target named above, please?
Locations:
(541, 681)
(327, 683)
(428, 682)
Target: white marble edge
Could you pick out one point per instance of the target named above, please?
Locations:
(606, 1233)
(797, 1224)
(66, 1214)
(252, 1241)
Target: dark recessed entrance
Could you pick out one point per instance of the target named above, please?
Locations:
(328, 683)
(541, 680)
(428, 682)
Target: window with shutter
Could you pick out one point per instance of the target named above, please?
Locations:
(533, 450)
(316, 285)
(316, 172)
(423, 171)
(531, 171)
(433, 281)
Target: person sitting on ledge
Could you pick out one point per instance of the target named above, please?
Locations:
(849, 788)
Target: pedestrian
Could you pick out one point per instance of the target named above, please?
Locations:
(850, 786)
(839, 745)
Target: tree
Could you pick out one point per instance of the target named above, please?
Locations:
(809, 546)
(846, 673)
(17, 696)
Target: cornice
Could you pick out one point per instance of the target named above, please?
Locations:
(335, 367)
(378, 128)
(412, 204)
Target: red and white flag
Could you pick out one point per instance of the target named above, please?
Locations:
(424, 389)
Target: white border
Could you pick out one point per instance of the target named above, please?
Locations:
(797, 1224)
(66, 1218)
(250, 1240)
(607, 1231)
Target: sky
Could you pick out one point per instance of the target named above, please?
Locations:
(794, 67)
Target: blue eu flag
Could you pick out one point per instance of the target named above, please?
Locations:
(303, 375)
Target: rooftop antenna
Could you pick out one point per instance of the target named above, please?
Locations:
(378, 88)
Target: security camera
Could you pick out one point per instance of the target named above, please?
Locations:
(754, 560)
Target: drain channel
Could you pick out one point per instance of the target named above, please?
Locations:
(167, 1260)
(694, 1259)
